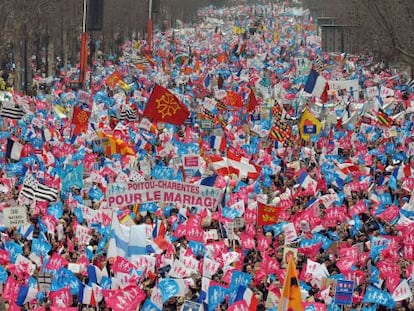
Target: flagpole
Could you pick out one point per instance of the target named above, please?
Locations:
(83, 49)
(149, 38)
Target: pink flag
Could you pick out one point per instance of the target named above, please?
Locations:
(61, 298)
(4, 257)
(392, 281)
(126, 299)
(122, 265)
(240, 305)
(56, 262)
(11, 289)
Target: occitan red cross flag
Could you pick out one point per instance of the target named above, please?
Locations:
(163, 106)
(80, 120)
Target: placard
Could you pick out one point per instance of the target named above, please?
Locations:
(15, 216)
(343, 292)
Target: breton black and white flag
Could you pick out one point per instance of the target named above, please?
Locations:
(11, 111)
(128, 114)
(32, 189)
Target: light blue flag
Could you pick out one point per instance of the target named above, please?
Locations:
(375, 295)
(239, 278)
(216, 295)
(56, 210)
(72, 176)
(3, 275)
(149, 306)
(168, 288)
(14, 250)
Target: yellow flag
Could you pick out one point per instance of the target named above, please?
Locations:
(309, 125)
(291, 298)
(123, 85)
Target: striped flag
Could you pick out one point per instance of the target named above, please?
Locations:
(384, 119)
(34, 190)
(410, 84)
(128, 114)
(11, 111)
(318, 63)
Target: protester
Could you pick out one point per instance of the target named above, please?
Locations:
(198, 176)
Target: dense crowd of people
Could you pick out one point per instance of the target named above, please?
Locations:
(290, 151)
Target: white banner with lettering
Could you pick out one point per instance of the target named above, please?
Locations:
(169, 191)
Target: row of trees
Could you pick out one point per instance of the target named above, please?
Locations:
(40, 36)
(382, 28)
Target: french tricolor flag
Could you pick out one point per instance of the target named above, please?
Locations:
(317, 86)
(305, 181)
(218, 143)
(13, 150)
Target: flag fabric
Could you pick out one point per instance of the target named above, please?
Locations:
(126, 299)
(377, 296)
(80, 120)
(86, 295)
(317, 86)
(11, 111)
(172, 288)
(34, 190)
(266, 214)
(13, 150)
(306, 182)
(163, 106)
(281, 132)
(26, 294)
(94, 274)
(218, 143)
(113, 79)
(234, 164)
(113, 145)
(233, 99)
(309, 125)
(318, 63)
(410, 83)
(128, 114)
(252, 102)
(61, 298)
(383, 119)
(291, 298)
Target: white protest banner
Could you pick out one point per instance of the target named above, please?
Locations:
(14, 216)
(191, 306)
(169, 191)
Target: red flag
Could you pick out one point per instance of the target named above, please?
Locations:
(233, 99)
(113, 79)
(163, 106)
(252, 101)
(266, 214)
(80, 120)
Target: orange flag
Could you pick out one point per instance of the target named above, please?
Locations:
(113, 79)
(163, 106)
(233, 99)
(291, 298)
